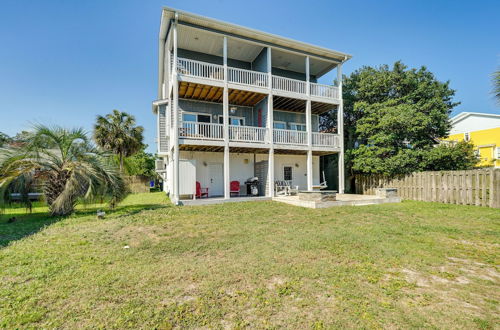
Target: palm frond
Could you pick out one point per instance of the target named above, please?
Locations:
(67, 164)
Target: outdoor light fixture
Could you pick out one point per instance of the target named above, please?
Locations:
(233, 110)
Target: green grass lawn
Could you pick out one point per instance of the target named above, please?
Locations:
(255, 264)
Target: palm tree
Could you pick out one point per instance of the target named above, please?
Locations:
(116, 132)
(496, 85)
(4, 138)
(67, 166)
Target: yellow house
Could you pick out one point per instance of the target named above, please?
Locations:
(483, 130)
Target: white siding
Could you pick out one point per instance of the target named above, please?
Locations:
(187, 170)
(475, 123)
(242, 166)
(299, 172)
(162, 139)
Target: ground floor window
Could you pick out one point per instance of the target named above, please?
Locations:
(287, 173)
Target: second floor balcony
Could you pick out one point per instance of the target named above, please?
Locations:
(251, 134)
(255, 79)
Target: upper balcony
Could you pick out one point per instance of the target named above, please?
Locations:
(284, 86)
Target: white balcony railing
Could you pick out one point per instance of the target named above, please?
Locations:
(286, 136)
(289, 85)
(247, 77)
(201, 131)
(247, 134)
(331, 92)
(211, 71)
(209, 131)
(200, 69)
(325, 140)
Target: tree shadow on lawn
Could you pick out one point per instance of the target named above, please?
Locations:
(27, 224)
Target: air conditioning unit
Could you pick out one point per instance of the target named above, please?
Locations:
(159, 165)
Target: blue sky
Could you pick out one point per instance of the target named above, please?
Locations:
(64, 62)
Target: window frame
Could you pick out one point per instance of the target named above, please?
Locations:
(242, 120)
(298, 124)
(291, 172)
(279, 122)
(195, 114)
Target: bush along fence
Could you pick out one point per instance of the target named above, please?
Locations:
(479, 187)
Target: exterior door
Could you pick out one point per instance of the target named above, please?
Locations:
(216, 183)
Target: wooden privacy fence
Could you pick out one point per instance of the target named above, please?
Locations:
(137, 183)
(474, 187)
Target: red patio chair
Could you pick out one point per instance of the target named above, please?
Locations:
(234, 187)
(200, 192)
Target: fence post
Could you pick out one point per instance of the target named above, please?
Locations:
(494, 186)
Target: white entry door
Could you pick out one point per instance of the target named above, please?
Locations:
(216, 183)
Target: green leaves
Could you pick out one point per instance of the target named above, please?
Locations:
(64, 163)
(117, 132)
(496, 85)
(393, 118)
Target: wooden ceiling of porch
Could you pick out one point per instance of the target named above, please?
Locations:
(242, 150)
(298, 105)
(236, 150)
(208, 93)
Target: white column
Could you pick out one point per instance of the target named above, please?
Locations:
(225, 113)
(340, 129)
(270, 126)
(270, 172)
(168, 74)
(309, 166)
(175, 126)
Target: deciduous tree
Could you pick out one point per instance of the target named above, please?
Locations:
(393, 118)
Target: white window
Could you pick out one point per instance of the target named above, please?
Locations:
(298, 127)
(279, 124)
(467, 137)
(236, 121)
(498, 153)
(189, 117)
(190, 126)
(196, 117)
(287, 173)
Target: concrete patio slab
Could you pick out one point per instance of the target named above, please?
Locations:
(342, 200)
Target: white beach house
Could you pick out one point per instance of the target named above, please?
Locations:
(235, 103)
